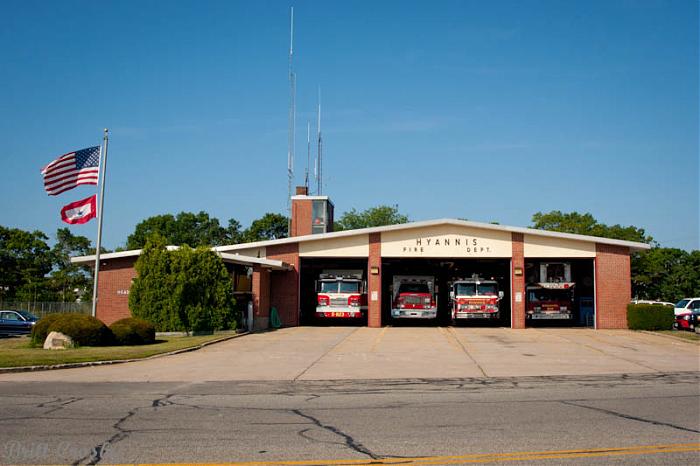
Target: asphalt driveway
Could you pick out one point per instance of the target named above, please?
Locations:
(336, 353)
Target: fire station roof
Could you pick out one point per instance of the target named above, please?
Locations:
(231, 258)
(634, 246)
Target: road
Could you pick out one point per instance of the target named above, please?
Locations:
(643, 418)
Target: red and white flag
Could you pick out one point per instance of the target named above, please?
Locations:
(80, 211)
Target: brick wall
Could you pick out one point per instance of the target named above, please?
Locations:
(284, 286)
(517, 309)
(261, 297)
(374, 282)
(613, 285)
(301, 217)
(112, 288)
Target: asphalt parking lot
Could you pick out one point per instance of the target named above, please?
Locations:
(341, 353)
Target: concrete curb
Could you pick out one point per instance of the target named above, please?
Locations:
(670, 337)
(73, 365)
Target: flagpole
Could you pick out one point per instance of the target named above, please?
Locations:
(103, 169)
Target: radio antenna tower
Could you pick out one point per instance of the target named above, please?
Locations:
(308, 155)
(319, 157)
(292, 117)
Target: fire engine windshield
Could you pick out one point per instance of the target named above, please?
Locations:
(413, 288)
(549, 295)
(465, 289)
(488, 289)
(349, 287)
(329, 286)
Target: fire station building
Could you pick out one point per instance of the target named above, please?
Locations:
(283, 274)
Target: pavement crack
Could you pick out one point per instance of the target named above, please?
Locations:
(350, 442)
(98, 451)
(57, 404)
(632, 418)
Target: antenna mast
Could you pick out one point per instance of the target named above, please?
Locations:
(319, 157)
(292, 117)
(308, 154)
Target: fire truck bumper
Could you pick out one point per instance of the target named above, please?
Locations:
(339, 312)
(552, 315)
(414, 313)
(476, 315)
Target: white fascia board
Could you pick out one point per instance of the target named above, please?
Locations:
(428, 223)
(247, 260)
(234, 258)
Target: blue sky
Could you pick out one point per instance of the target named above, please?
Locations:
(489, 111)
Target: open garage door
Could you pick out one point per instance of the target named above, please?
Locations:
(559, 293)
(423, 278)
(333, 291)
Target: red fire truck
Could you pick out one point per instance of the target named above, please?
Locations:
(413, 297)
(552, 297)
(341, 294)
(475, 298)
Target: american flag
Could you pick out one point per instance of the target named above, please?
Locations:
(72, 169)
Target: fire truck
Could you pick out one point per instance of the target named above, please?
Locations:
(475, 298)
(341, 294)
(413, 297)
(552, 295)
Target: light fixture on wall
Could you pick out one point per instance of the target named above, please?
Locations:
(374, 270)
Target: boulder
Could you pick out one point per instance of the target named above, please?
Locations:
(57, 340)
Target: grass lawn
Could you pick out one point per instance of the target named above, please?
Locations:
(682, 334)
(16, 352)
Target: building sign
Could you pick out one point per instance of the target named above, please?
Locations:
(446, 241)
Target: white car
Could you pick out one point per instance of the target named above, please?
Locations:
(646, 301)
(687, 305)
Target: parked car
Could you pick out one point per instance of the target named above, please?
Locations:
(687, 321)
(16, 322)
(687, 305)
(647, 301)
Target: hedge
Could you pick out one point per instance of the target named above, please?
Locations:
(133, 331)
(649, 317)
(85, 330)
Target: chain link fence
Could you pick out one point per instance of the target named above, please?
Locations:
(42, 309)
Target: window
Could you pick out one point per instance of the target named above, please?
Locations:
(318, 216)
(413, 288)
(349, 287)
(488, 289)
(682, 303)
(10, 316)
(465, 289)
(329, 287)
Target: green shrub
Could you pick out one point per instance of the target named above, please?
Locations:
(133, 331)
(649, 317)
(41, 329)
(85, 330)
(187, 289)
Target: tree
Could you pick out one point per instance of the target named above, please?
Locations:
(372, 217)
(185, 228)
(202, 295)
(269, 226)
(186, 289)
(666, 274)
(25, 259)
(70, 281)
(585, 224)
(150, 295)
